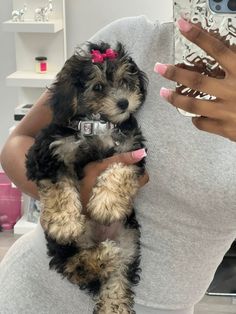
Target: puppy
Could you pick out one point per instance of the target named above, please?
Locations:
(93, 100)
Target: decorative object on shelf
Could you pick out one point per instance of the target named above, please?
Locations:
(41, 64)
(18, 15)
(33, 211)
(42, 13)
(21, 111)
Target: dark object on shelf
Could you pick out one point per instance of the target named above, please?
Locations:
(33, 211)
(224, 282)
(21, 111)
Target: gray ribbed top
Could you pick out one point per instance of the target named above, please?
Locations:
(188, 209)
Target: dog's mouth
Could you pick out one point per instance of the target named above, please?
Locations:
(120, 117)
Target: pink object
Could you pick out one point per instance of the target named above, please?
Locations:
(139, 154)
(43, 67)
(160, 68)
(164, 92)
(10, 203)
(99, 57)
(184, 25)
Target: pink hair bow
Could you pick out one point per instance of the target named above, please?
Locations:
(99, 57)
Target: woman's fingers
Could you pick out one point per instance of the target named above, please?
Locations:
(213, 46)
(193, 80)
(128, 158)
(206, 108)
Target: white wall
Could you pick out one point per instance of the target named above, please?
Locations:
(8, 95)
(84, 18)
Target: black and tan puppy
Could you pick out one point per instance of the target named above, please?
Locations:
(93, 100)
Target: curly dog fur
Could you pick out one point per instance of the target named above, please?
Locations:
(84, 90)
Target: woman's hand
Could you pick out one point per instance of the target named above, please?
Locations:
(94, 169)
(218, 116)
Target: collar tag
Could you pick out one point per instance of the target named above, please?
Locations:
(92, 127)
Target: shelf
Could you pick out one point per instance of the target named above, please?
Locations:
(30, 26)
(23, 226)
(30, 79)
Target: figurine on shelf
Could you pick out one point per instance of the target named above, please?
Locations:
(42, 13)
(18, 15)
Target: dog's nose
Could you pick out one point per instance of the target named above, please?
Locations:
(123, 104)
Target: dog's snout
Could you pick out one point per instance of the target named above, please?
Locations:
(123, 104)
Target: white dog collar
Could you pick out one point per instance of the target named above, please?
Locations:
(94, 125)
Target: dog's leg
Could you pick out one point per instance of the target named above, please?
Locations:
(116, 295)
(113, 193)
(91, 267)
(61, 216)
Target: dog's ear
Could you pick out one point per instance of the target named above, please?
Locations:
(143, 84)
(70, 82)
(120, 49)
(143, 79)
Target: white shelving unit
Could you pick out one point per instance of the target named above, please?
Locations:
(30, 79)
(30, 26)
(33, 39)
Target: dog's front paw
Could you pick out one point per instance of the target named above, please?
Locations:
(112, 196)
(61, 216)
(65, 233)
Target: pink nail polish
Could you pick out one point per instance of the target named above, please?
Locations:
(160, 68)
(164, 92)
(184, 26)
(139, 154)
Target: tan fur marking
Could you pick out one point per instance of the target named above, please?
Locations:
(97, 263)
(108, 105)
(112, 196)
(74, 104)
(114, 296)
(65, 149)
(134, 101)
(122, 71)
(98, 77)
(61, 217)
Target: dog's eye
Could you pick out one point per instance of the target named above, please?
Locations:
(98, 87)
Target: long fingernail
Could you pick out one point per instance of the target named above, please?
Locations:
(184, 25)
(160, 68)
(164, 92)
(139, 154)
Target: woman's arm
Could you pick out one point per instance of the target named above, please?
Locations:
(19, 142)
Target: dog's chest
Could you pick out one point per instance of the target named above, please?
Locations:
(102, 232)
(116, 141)
(78, 150)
